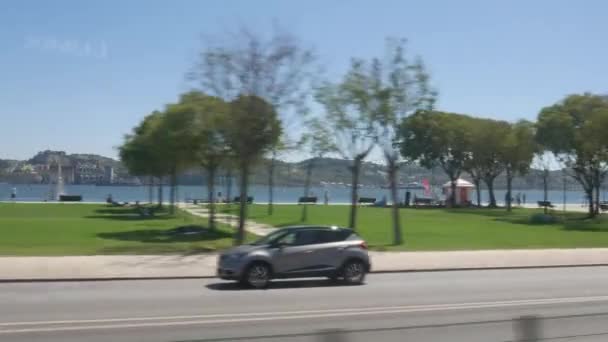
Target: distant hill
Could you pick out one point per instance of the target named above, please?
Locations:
(326, 170)
(48, 157)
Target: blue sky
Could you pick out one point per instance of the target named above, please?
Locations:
(77, 75)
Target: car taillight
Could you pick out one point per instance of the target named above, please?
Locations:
(363, 245)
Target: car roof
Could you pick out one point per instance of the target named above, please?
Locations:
(320, 227)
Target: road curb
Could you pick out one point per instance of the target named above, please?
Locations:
(99, 279)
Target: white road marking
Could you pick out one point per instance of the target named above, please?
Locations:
(8, 327)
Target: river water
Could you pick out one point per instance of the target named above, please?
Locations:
(337, 194)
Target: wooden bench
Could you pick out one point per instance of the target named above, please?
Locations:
(307, 200)
(544, 204)
(604, 206)
(367, 200)
(237, 199)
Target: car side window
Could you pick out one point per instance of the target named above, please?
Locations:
(287, 239)
(327, 236)
(306, 237)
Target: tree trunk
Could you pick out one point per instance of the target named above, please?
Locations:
(453, 189)
(477, 183)
(240, 233)
(546, 189)
(490, 184)
(229, 194)
(173, 180)
(392, 174)
(597, 185)
(150, 189)
(509, 185)
(271, 182)
(309, 167)
(211, 195)
(589, 193)
(160, 192)
(597, 199)
(355, 169)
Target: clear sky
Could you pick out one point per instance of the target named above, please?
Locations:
(77, 75)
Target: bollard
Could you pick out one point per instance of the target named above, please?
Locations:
(332, 335)
(527, 329)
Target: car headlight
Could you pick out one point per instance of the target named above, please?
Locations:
(236, 256)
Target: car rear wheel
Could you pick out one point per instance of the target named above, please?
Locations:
(354, 272)
(257, 276)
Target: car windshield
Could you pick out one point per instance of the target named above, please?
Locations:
(270, 238)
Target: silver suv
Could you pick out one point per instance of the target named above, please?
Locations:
(298, 252)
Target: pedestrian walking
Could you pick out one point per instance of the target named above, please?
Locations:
(14, 194)
(326, 198)
(523, 197)
(518, 199)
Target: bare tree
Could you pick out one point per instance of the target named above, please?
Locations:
(351, 121)
(318, 142)
(398, 88)
(277, 69)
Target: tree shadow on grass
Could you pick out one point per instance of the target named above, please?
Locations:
(599, 224)
(191, 233)
(132, 217)
(130, 213)
(566, 221)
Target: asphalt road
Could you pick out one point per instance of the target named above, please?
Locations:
(435, 306)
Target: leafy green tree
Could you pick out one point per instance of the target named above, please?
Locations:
(487, 137)
(574, 129)
(207, 135)
(438, 138)
(139, 152)
(175, 142)
(252, 129)
(517, 153)
(318, 142)
(474, 166)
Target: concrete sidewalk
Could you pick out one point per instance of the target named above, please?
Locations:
(203, 265)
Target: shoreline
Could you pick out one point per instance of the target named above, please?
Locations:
(570, 206)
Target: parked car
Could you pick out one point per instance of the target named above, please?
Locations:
(298, 252)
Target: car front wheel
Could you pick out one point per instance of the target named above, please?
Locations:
(354, 272)
(257, 276)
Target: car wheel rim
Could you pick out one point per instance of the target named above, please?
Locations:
(354, 272)
(258, 276)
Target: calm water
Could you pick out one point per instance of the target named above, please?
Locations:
(337, 194)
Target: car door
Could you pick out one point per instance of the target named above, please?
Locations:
(329, 249)
(296, 254)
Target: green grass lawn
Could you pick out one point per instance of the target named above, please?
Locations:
(456, 229)
(87, 229)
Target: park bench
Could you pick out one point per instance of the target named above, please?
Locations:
(544, 204)
(237, 199)
(367, 200)
(307, 200)
(70, 198)
(604, 206)
(422, 201)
